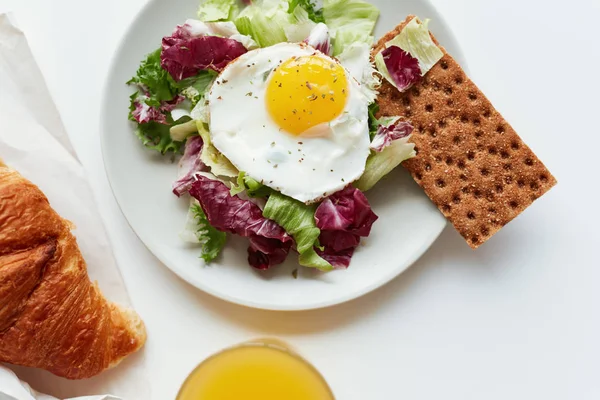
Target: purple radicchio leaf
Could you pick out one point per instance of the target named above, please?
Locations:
(337, 259)
(189, 165)
(265, 252)
(144, 113)
(403, 68)
(343, 218)
(319, 39)
(185, 54)
(387, 134)
(269, 243)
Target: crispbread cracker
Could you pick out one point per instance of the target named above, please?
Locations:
(470, 161)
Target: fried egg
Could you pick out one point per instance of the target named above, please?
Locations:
(292, 118)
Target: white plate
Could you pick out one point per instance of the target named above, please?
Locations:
(141, 180)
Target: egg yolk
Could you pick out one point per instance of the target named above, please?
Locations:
(306, 91)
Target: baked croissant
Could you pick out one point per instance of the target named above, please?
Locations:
(51, 315)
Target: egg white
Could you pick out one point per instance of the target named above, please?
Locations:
(304, 168)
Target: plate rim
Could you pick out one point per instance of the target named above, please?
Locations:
(192, 280)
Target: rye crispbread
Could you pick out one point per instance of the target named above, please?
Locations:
(470, 161)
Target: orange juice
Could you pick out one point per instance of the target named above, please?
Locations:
(255, 371)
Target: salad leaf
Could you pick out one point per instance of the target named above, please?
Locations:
(349, 21)
(212, 239)
(250, 186)
(184, 54)
(188, 233)
(313, 259)
(189, 164)
(200, 82)
(415, 40)
(270, 22)
(194, 88)
(264, 252)
(200, 113)
(229, 30)
(180, 132)
(269, 243)
(338, 259)
(315, 14)
(319, 39)
(158, 86)
(226, 29)
(152, 104)
(219, 164)
(380, 164)
(156, 136)
(255, 188)
(343, 218)
(298, 219)
(144, 109)
(155, 82)
(347, 210)
(300, 25)
(398, 67)
(217, 10)
(239, 186)
(373, 121)
(158, 95)
(390, 129)
(340, 240)
(264, 21)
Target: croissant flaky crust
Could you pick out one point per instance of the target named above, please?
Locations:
(51, 315)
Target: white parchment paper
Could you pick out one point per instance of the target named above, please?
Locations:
(33, 141)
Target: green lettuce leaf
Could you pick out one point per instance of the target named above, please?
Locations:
(256, 189)
(313, 260)
(383, 70)
(416, 40)
(157, 86)
(298, 220)
(157, 82)
(212, 240)
(217, 10)
(239, 185)
(301, 27)
(195, 87)
(380, 164)
(315, 14)
(132, 99)
(373, 121)
(251, 186)
(213, 158)
(349, 22)
(264, 21)
(157, 136)
(270, 22)
(180, 132)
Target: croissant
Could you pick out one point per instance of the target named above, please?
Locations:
(51, 315)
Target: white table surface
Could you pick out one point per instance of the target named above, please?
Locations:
(517, 319)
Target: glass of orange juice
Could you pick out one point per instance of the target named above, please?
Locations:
(264, 369)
